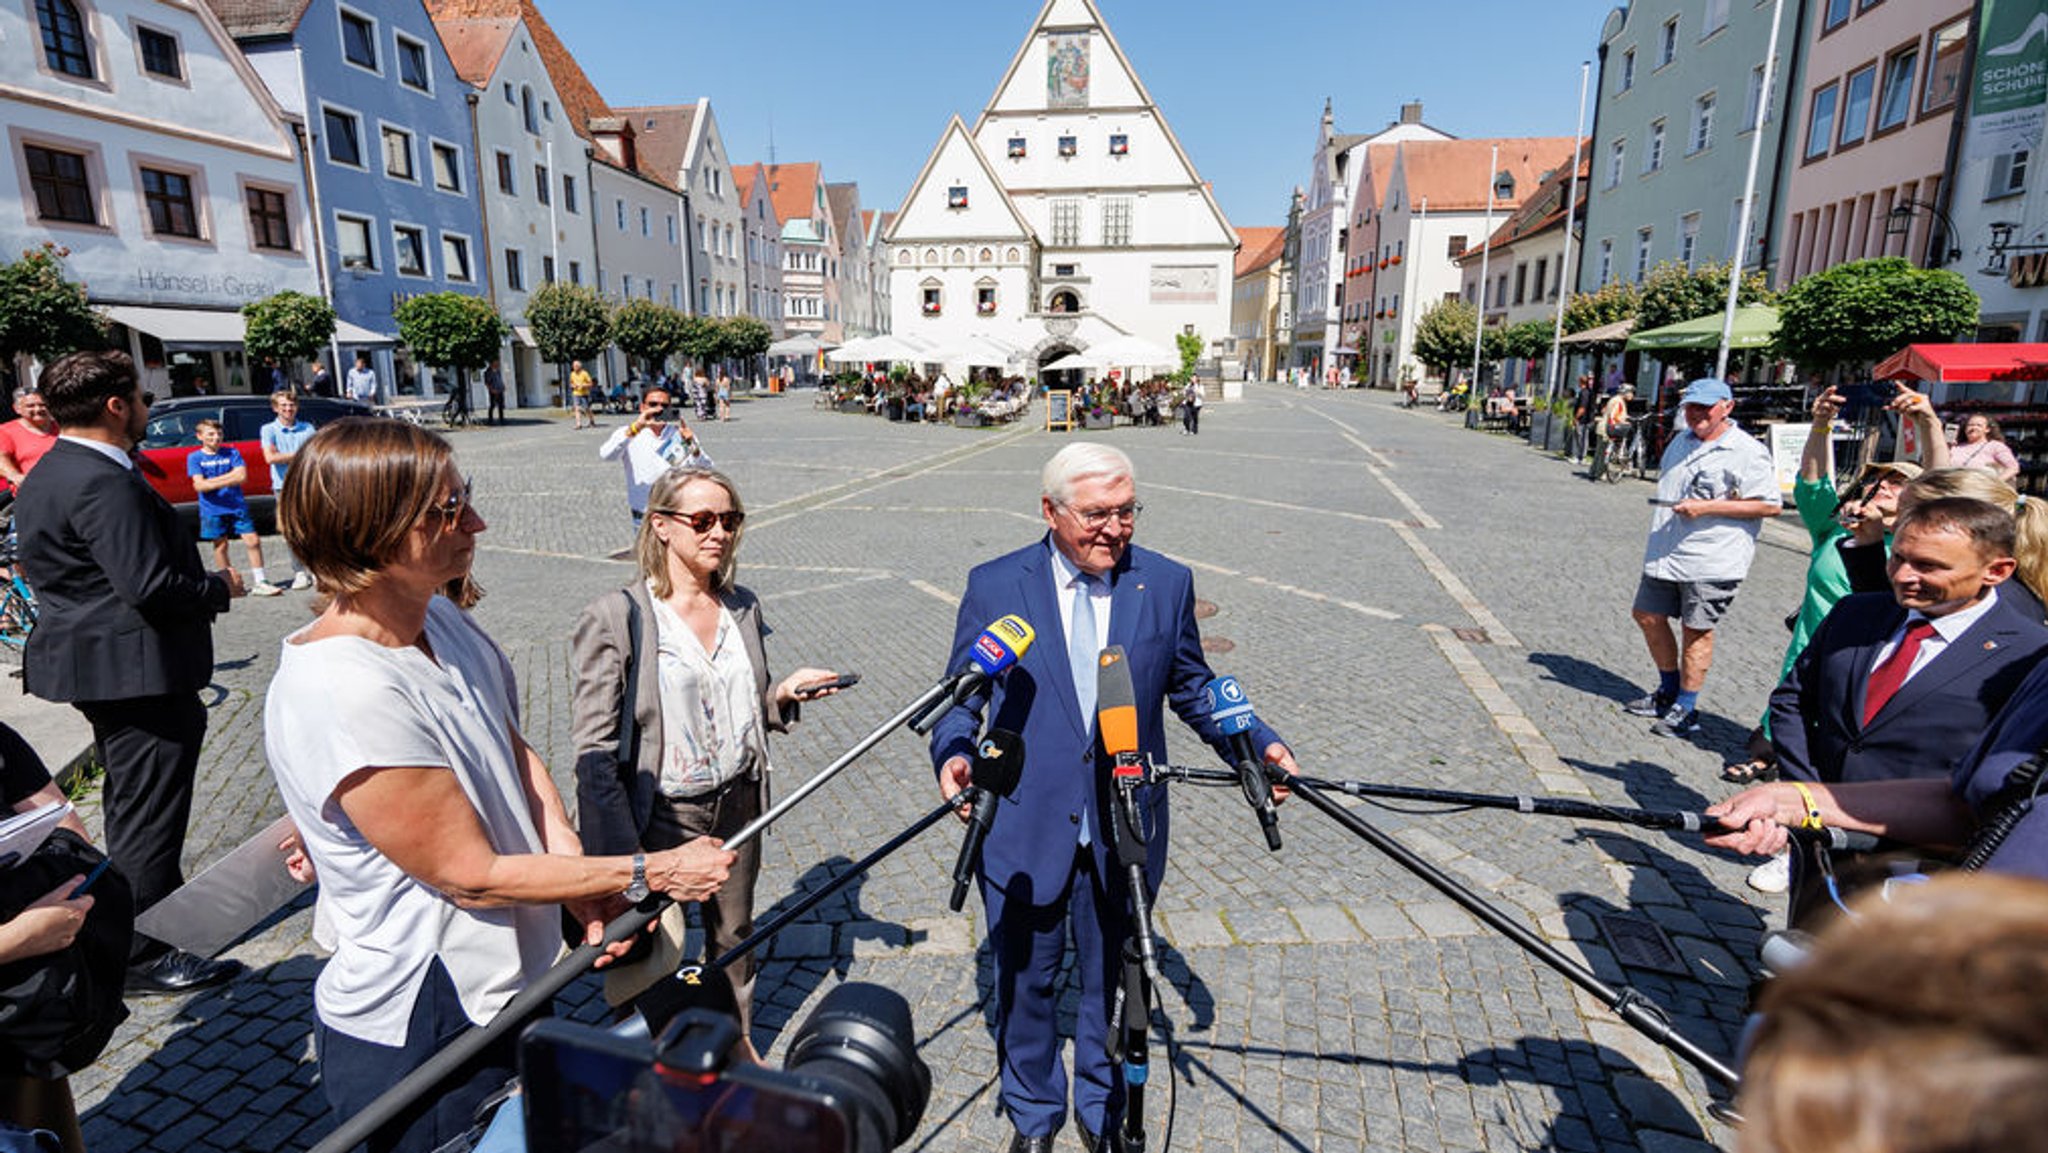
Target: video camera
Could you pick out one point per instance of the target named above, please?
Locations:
(852, 1083)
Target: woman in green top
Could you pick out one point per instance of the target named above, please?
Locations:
(1858, 517)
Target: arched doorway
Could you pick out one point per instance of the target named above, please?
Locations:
(1063, 378)
(1063, 300)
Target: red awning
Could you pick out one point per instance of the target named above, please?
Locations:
(1966, 363)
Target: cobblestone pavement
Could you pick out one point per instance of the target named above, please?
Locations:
(1407, 601)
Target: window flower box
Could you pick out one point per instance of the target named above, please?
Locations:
(986, 308)
(931, 308)
(1070, 146)
(1016, 147)
(1393, 260)
(1119, 144)
(956, 196)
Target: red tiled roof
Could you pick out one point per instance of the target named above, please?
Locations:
(744, 178)
(1454, 174)
(794, 189)
(663, 134)
(1540, 212)
(1260, 246)
(475, 45)
(580, 99)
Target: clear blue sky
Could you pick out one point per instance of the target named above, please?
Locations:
(867, 87)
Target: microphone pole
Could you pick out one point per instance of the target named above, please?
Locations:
(1130, 1018)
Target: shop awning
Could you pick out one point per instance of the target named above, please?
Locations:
(1755, 325)
(1618, 330)
(523, 335)
(206, 328)
(1966, 363)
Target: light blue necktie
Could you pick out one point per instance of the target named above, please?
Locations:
(1083, 648)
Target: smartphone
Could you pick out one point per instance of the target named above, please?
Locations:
(1660, 502)
(842, 681)
(80, 890)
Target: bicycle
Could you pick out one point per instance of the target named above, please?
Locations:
(17, 599)
(1620, 455)
(455, 412)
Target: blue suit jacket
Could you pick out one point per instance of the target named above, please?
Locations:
(1929, 724)
(1030, 851)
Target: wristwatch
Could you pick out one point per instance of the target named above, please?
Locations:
(637, 891)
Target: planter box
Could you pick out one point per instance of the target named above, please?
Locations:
(855, 405)
(1539, 428)
(1098, 421)
(969, 420)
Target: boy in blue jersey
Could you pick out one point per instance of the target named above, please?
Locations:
(217, 474)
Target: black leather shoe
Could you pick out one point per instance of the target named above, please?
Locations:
(1040, 1144)
(177, 971)
(1111, 1142)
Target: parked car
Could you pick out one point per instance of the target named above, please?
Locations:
(173, 435)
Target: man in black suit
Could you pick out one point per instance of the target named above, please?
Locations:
(124, 633)
(1902, 686)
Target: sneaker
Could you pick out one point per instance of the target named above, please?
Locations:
(1773, 876)
(265, 589)
(1677, 722)
(302, 581)
(1654, 705)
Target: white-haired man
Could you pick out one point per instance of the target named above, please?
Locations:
(1083, 587)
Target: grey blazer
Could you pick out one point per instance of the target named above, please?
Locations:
(614, 805)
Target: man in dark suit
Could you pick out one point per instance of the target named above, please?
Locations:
(1901, 686)
(124, 633)
(1046, 863)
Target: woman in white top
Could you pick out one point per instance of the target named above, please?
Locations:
(688, 757)
(442, 847)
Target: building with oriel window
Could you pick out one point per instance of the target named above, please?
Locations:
(1068, 214)
(139, 139)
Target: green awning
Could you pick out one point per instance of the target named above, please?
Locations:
(1755, 325)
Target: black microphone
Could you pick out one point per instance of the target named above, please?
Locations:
(1116, 718)
(1233, 715)
(998, 762)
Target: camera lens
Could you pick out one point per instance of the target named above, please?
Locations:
(860, 1038)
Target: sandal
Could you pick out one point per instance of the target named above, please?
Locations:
(1755, 771)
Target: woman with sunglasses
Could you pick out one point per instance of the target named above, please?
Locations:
(673, 705)
(391, 726)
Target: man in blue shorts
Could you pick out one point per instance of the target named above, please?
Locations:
(1714, 490)
(282, 439)
(217, 473)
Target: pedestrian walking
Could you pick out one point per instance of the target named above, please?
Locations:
(1191, 409)
(580, 384)
(362, 382)
(1716, 488)
(494, 391)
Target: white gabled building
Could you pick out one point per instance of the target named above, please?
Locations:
(139, 138)
(1070, 204)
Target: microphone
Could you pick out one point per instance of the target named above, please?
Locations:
(1116, 719)
(997, 765)
(1002, 644)
(1232, 712)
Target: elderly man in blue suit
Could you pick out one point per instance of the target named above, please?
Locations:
(1046, 864)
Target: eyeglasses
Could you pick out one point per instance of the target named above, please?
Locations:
(1097, 517)
(700, 522)
(450, 511)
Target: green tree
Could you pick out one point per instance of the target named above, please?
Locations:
(1605, 305)
(42, 314)
(1190, 346)
(451, 329)
(746, 338)
(1674, 292)
(1865, 310)
(648, 332)
(1529, 340)
(569, 322)
(288, 325)
(1443, 336)
(700, 340)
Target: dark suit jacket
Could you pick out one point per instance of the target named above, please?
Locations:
(1152, 615)
(615, 802)
(1927, 726)
(124, 607)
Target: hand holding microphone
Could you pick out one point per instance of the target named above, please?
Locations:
(998, 762)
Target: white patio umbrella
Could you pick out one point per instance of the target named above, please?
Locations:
(1133, 352)
(852, 352)
(1073, 360)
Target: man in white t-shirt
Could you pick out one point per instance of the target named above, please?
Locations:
(362, 381)
(650, 446)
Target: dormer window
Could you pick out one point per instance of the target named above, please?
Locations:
(1016, 147)
(956, 196)
(1119, 144)
(1070, 146)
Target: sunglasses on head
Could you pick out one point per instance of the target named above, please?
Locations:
(701, 522)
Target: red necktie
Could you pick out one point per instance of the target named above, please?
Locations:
(1886, 678)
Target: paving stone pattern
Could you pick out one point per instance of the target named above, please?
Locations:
(1321, 998)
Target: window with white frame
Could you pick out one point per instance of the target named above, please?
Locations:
(619, 212)
(1617, 161)
(1688, 237)
(1116, 221)
(455, 258)
(1857, 92)
(1667, 42)
(1895, 99)
(2008, 174)
(1820, 122)
(409, 249)
(359, 40)
(1627, 79)
(354, 242)
(412, 64)
(398, 159)
(542, 188)
(1653, 154)
(1643, 245)
(1606, 262)
(344, 132)
(447, 167)
(1703, 123)
(646, 228)
(515, 270)
(1714, 18)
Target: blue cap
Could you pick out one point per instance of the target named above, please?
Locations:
(1706, 390)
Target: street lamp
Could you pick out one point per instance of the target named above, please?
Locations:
(1899, 222)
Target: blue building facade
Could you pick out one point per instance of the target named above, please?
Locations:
(392, 151)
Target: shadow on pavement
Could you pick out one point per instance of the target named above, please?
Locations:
(786, 983)
(1586, 677)
(1615, 1101)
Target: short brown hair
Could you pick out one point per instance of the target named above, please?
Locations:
(353, 493)
(1989, 527)
(77, 387)
(653, 555)
(275, 397)
(205, 422)
(1918, 1027)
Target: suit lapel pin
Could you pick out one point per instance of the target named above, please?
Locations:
(1989, 645)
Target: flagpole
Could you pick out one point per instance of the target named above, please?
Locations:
(1756, 141)
(1571, 209)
